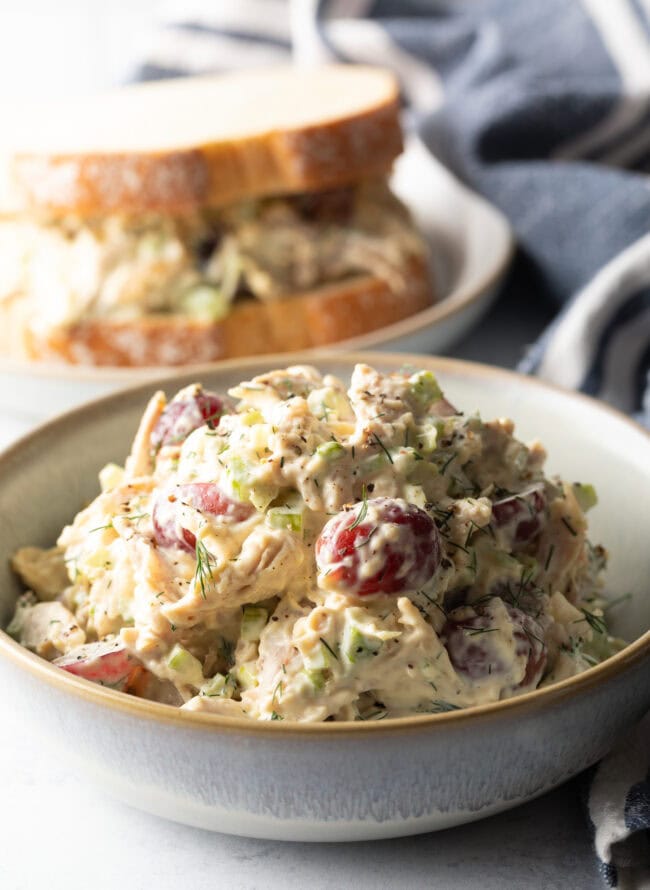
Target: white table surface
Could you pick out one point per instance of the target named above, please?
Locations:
(62, 834)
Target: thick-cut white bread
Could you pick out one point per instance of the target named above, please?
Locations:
(331, 313)
(175, 145)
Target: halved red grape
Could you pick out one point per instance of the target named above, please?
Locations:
(476, 651)
(106, 663)
(521, 515)
(205, 497)
(384, 545)
(186, 413)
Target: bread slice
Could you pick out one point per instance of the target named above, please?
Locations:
(173, 146)
(331, 313)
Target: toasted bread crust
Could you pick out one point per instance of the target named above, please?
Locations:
(334, 153)
(332, 313)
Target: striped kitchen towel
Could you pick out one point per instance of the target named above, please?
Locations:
(544, 107)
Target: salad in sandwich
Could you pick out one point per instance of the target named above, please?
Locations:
(298, 551)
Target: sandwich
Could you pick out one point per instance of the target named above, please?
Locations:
(205, 218)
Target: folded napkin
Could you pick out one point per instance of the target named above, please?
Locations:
(498, 90)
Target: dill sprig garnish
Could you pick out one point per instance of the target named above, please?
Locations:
(361, 515)
(204, 564)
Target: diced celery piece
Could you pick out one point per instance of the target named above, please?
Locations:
(328, 403)
(289, 514)
(330, 450)
(356, 645)
(585, 495)
(240, 476)
(424, 387)
(374, 464)
(205, 301)
(185, 665)
(261, 495)
(250, 418)
(253, 622)
(220, 686)
(279, 518)
(316, 678)
(214, 686)
(422, 472)
(246, 676)
(111, 476)
(244, 486)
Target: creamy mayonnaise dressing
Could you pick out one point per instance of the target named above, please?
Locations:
(296, 551)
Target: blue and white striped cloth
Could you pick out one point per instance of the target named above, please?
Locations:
(544, 107)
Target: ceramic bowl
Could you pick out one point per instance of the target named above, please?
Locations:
(471, 244)
(333, 782)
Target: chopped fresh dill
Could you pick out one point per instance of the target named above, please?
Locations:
(447, 462)
(329, 648)
(361, 515)
(477, 631)
(569, 526)
(458, 547)
(135, 517)
(101, 527)
(439, 706)
(596, 622)
(615, 602)
(551, 551)
(383, 447)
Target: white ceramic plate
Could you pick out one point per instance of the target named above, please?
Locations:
(471, 243)
(338, 781)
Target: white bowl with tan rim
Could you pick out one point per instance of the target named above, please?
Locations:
(471, 246)
(338, 781)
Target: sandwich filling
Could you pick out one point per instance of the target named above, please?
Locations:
(70, 269)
